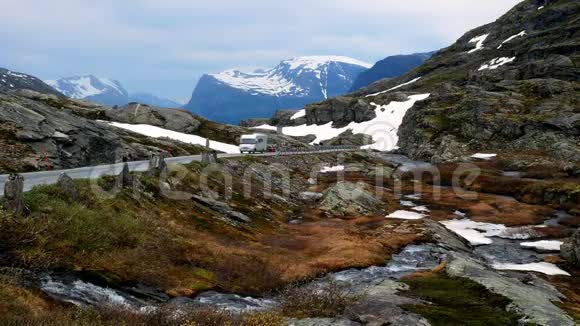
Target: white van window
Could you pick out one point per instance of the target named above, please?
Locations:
(247, 141)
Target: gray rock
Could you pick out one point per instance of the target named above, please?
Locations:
(350, 199)
(534, 298)
(570, 249)
(125, 179)
(68, 187)
(172, 119)
(222, 208)
(14, 194)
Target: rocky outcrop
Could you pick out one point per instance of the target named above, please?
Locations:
(14, 194)
(37, 130)
(571, 249)
(350, 199)
(172, 119)
(340, 111)
(533, 297)
(229, 213)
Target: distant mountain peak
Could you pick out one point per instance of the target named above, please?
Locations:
(107, 90)
(10, 80)
(235, 94)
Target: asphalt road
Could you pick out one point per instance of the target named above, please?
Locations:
(32, 179)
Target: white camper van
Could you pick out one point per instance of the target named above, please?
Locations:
(254, 143)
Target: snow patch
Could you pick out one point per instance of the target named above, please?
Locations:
(299, 114)
(407, 203)
(383, 129)
(421, 209)
(475, 232)
(483, 156)
(542, 267)
(406, 215)
(328, 169)
(478, 42)
(520, 34)
(156, 132)
(396, 87)
(496, 63)
(547, 245)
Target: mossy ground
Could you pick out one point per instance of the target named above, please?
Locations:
(458, 301)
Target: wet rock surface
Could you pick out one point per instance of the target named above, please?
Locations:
(14, 194)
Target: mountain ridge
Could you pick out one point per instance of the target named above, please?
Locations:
(293, 83)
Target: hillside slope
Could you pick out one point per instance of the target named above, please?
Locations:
(510, 86)
(390, 67)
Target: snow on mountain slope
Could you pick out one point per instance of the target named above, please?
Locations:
(10, 80)
(157, 132)
(383, 128)
(97, 89)
(284, 79)
(233, 95)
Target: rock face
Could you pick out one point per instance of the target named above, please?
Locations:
(571, 249)
(234, 95)
(390, 67)
(14, 194)
(40, 129)
(176, 120)
(350, 199)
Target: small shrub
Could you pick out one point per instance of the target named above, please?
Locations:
(319, 300)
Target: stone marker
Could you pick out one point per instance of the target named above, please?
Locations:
(124, 179)
(14, 194)
(68, 187)
(209, 157)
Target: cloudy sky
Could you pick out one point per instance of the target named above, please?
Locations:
(164, 46)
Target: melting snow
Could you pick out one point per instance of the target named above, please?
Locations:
(407, 203)
(478, 42)
(542, 267)
(421, 209)
(406, 215)
(383, 128)
(541, 7)
(547, 245)
(156, 132)
(414, 196)
(396, 87)
(299, 114)
(482, 156)
(520, 34)
(496, 63)
(337, 168)
(475, 232)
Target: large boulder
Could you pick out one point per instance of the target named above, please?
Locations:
(571, 249)
(176, 120)
(350, 200)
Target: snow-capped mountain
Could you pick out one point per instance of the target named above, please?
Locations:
(10, 80)
(233, 95)
(97, 89)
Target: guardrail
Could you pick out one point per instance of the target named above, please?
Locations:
(316, 149)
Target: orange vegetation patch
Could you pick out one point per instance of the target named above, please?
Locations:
(444, 201)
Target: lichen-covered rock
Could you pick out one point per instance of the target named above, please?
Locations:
(570, 249)
(177, 120)
(350, 200)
